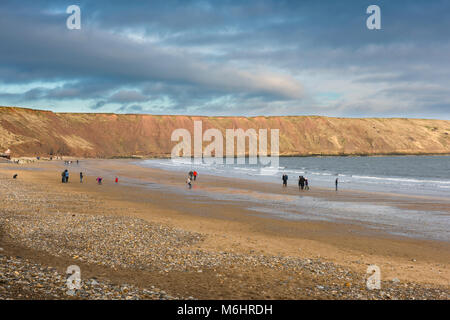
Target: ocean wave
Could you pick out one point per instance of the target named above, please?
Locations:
(396, 179)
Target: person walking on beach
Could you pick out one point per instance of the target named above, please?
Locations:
(189, 182)
(81, 177)
(336, 182)
(67, 176)
(195, 175)
(99, 180)
(191, 174)
(301, 182)
(285, 179)
(306, 184)
(117, 180)
(63, 176)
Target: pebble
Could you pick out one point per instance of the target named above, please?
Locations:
(46, 221)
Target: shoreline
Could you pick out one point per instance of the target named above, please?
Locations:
(316, 188)
(312, 155)
(227, 226)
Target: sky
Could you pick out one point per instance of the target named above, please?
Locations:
(230, 58)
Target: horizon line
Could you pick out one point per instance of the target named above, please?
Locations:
(220, 116)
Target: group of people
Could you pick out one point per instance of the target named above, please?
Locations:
(69, 162)
(192, 176)
(302, 182)
(65, 177)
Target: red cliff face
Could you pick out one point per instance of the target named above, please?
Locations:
(29, 132)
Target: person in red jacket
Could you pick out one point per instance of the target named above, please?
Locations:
(117, 180)
(195, 175)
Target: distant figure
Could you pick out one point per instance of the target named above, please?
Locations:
(15, 176)
(336, 182)
(81, 177)
(99, 180)
(306, 184)
(191, 174)
(301, 182)
(195, 175)
(67, 176)
(78, 161)
(63, 177)
(189, 182)
(285, 179)
(117, 180)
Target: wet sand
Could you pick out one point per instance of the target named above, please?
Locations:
(161, 197)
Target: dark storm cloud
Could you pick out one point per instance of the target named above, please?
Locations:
(229, 57)
(126, 96)
(98, 105)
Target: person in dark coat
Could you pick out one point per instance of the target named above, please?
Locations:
(301, 182)
(285, 179)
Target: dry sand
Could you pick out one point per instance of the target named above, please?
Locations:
(142, 232)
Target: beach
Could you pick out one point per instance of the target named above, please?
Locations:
(149, 237)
